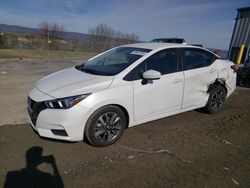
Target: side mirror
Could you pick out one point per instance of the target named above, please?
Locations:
(151, 75)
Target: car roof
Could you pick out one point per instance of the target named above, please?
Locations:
(168, 39)
(157, 45)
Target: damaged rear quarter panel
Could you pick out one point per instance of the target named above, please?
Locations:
(197, 82)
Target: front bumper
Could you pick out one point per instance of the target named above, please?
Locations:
(62, 124)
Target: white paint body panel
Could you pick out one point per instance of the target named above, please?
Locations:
(70, 82)
(158, 96)
(171, 94)
(196, 85)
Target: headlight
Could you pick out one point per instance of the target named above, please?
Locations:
(66, 102)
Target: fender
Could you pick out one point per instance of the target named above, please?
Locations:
(218, 81)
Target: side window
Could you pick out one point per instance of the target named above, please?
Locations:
(196, 58)
(164, 61)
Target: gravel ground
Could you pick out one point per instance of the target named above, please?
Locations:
(17, 78)
(203, 150)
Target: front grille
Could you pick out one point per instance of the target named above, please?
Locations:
(34, 108)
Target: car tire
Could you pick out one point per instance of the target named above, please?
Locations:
(105, 126)
(216, 99)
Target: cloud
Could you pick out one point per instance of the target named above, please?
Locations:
(196, 21)
(72, 5)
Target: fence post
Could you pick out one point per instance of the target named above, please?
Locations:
(240, 54)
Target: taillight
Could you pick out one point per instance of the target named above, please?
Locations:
(234, 68)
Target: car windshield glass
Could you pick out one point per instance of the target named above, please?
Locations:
(114, 61)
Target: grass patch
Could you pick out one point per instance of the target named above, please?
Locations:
(19, 53)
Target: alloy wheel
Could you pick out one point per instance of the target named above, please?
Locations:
(108, 127)
(217, 100)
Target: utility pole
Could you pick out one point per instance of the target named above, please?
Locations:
(71, 48)
(92, 47)
(48, 42)
(71, 45)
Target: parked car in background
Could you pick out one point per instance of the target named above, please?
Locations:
(170, 40)
(127, 86)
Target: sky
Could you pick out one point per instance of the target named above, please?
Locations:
(208, 22)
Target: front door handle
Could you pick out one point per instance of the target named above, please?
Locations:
(212, 70)
(177, 80)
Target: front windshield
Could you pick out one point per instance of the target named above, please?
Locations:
(114, 61)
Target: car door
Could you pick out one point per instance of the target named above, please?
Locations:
(158, 97)
(199, 72)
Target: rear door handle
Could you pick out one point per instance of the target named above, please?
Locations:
(224, 69)
(212, 70)
(177, 80)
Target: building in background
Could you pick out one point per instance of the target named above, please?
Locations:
(241, 35)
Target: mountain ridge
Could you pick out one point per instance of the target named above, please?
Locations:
(30, 30)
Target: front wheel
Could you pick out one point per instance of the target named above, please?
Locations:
(105, 126)
(216, 99)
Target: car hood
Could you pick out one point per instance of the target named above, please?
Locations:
(70, 82)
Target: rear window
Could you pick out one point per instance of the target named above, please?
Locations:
(196, 58)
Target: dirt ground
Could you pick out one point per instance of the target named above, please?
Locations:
(16, 79)
(203, 150)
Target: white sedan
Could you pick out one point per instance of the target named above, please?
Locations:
(127, 86)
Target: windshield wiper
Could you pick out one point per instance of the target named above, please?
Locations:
(90, 71)
(84, 69)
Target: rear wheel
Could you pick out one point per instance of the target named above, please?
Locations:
(216, 99)
(105, 126)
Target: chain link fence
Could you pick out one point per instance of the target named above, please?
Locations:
(19, 41)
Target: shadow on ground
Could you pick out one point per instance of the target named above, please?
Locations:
(31, 176)
(216, 145)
